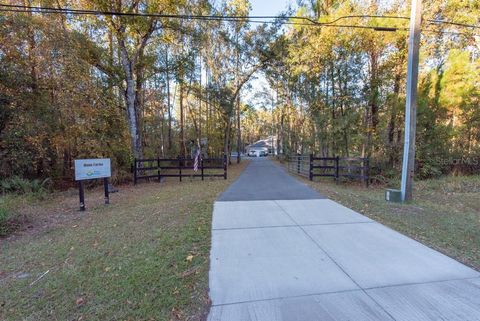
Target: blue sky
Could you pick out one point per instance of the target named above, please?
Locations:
(268, 7)
(259, 83)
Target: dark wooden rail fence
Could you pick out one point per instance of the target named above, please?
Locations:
(299, 164)
(337, 167)
(355, 168)
(328, 167)
(177, 167)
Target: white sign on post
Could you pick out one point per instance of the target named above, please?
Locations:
(92, 168)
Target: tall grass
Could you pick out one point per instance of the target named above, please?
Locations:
(451, 184)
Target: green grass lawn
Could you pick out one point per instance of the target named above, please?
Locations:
(143, 257)
(444, 215)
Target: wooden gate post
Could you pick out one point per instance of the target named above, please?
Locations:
(134, 171)
(224, 166)
(366, 163)
(180, 167)
(310, 175)
(337, 160)
(158, 170)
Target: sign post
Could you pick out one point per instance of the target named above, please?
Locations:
(82, 196)
(86, 169)
(105, 188)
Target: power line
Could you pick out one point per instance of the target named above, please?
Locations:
(252, 19)
(222, 17)
(455, 33)
(180, 16)
(22, 8)
(459, 24)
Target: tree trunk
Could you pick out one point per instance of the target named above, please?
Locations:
(366, 142)
(344, 108)
(239, 132)
(226, 141)
(332, 76)
(392, 121)
(374, 91)
(183, 148)
(207, 105)
(169, 107)
(139, 103)
(200, 97)
(110, 61)
(130, 99)
(131, 68)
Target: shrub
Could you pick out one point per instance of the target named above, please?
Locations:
(5, 217)
(11, 187)
(19, 185)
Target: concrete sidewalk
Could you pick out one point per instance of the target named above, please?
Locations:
(313, 259)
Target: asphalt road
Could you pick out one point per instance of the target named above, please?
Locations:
(265, 180)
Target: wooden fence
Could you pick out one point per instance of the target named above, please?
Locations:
(299, 164)
(178, 167)
(310, 166)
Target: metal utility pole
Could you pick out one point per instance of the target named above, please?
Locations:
(411, 101)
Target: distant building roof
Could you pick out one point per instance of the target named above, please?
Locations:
(260, 143)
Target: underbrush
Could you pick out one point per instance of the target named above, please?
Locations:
(16, 191)
(451, 184)
(9, 217)
(20, 185)
(4, 219)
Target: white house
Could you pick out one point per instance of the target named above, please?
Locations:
(268, 145)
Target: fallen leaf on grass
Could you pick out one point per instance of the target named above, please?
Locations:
(190, 272)
(80, 301)
(176, 314)
(189, 258)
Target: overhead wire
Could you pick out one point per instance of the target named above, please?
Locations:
(252, 19)
(459, 24)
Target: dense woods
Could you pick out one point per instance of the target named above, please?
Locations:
(119, 86)
(341, 91)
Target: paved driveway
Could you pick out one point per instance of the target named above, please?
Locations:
(264, 180)
(290, 254)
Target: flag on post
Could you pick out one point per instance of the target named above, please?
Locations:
(198, 159)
